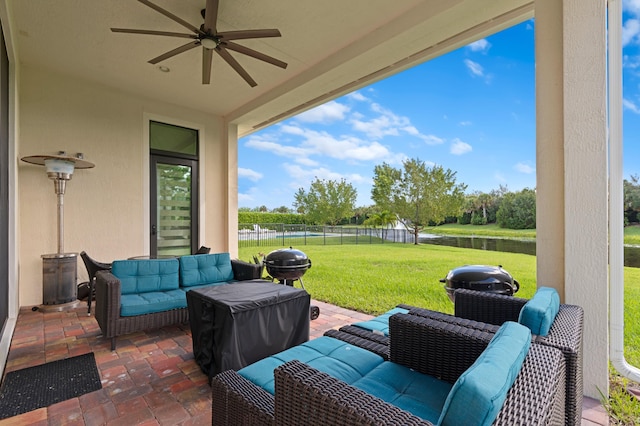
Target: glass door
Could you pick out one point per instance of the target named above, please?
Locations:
(174, 222)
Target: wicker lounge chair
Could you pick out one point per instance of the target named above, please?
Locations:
(93, 266)
(483, 311)
(305, 396)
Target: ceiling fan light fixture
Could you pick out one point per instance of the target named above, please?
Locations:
(210, 39)
(209, 43)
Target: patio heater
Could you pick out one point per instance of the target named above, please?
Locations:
(59, 270)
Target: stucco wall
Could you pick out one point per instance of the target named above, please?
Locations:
(106, 208)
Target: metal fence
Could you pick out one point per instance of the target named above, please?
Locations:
(274, 234)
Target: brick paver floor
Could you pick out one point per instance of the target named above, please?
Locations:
(150, 379)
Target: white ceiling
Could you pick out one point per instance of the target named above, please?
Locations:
(332, 47)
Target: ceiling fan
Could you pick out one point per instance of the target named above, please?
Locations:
(211, 41)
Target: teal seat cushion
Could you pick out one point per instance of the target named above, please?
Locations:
(421, 395)
(479, 393)
(201, 269)
(149, 275)
(332, 356)
(150, 302)
(380, 323)
(540, 311)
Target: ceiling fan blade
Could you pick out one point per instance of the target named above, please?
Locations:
(174, 52)
(207, 58)
(235, 65)
(171, 16)
(211, 16)
(242, 34)
(151, 32)
(254, 54)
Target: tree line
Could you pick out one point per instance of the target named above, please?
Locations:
(415, 195)
(631, 189)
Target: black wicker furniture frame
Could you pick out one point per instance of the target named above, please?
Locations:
(93, 266)
(305, 396)
(484, 311)
(112, 324)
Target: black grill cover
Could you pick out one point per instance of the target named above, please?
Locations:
(237, 324)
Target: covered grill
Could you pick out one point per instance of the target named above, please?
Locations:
(287, 266)
(492, 279)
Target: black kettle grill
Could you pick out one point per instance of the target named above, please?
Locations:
(287, 266)
(491, 279)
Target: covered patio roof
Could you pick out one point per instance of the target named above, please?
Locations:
(330, 48)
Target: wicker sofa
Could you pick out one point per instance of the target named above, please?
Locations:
(484, 311)
(305, 394)
(137, 295)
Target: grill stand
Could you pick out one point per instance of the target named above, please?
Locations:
(314, 311)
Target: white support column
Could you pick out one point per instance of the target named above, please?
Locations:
(572, 168)
(232, 195)
(549, 148)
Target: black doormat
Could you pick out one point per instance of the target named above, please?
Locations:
(43, 385)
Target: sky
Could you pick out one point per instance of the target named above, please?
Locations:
(471, 111)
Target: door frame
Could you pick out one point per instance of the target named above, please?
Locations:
(147, 117)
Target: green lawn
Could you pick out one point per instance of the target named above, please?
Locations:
(375, 278)
(631, 233)
(491, 230)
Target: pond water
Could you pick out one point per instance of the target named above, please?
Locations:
(631, 254)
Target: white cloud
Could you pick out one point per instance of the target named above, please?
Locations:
(524, 168)
(357, 96)
(465, 123)
(321, 143)
(388, 124)
(631, 62)
(459, 147)
(631, 6)
(248, 197)
(306, 161)
(630, 31)
(474, 67)
(344, 148)
(631, 106)
(325, 113)
(302, 177)
(244, 198)
(431, 139)
(481, 45)
(249, 174)
(276, 148)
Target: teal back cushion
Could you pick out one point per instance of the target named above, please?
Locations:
(479, 393)
(540, 311)
(204, 269)
(143, 276)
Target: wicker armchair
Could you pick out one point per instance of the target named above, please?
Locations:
(483, 311)
(93, 266)
(305, 396)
